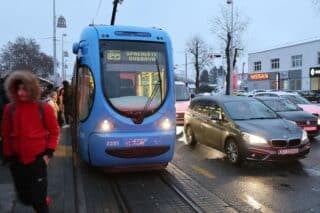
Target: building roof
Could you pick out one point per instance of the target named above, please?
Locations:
(292, 44)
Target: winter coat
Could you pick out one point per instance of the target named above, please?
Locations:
(26, 133)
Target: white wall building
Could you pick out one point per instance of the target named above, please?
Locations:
(288, 67)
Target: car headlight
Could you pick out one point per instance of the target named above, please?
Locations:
(105, 126)
(254, 139)
(304, 138)
(318, 121)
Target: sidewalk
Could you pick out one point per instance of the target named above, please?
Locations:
(61, 185)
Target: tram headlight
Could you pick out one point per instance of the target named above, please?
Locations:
(105, 126)
(166, 124)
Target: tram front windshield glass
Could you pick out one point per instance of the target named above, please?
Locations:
(134, 76)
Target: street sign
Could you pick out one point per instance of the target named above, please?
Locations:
(314, 72)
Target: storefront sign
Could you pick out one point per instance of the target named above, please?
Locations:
(314, 72)
(259, 76)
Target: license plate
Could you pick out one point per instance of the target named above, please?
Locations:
(288, 151)
(310, 128)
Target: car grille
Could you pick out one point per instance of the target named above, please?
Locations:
(294, 142)
(285, 143)
(279, 143)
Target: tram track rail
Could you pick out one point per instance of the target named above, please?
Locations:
(154, 190)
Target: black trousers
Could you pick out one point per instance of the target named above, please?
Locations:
(31, 184)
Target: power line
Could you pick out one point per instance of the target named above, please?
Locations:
(98, 10)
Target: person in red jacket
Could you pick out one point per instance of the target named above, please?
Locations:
(30, 134)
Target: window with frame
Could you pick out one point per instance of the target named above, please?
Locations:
(257, 66)
(275, 63)
(296, 60)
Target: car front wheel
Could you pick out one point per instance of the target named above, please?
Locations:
(191, 140)
(233, 152)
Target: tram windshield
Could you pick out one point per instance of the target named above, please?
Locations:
(134, 76)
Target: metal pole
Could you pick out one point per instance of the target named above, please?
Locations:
(186, 64)
(62, 59)
(54, 40)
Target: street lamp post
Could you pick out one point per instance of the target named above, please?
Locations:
(61, 24)
(54, 40)
(63, 72)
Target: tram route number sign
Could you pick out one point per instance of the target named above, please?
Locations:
(314, 72)
(131, 56)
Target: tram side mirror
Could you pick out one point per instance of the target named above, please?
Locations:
(75, 48)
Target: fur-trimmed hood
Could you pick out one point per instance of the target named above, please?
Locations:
(30, 82)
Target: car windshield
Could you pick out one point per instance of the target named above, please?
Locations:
(182, 93)
(246, 110)
(281, 105)
(296, 99)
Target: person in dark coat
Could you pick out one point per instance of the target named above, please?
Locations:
(67, 101)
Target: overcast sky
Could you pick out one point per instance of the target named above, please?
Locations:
(271, 22)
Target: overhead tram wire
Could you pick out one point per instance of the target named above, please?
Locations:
(97, 11)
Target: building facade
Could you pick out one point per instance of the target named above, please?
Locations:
(292, 67)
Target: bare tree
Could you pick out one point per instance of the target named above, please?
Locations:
(229, 31)
(24, 54)
(201, 55)
(316, 3)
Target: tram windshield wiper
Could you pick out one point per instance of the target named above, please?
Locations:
(153, 94)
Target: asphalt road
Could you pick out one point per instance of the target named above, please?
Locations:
(265, 187)
(210, 182)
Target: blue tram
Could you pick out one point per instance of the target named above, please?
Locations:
(124, 97)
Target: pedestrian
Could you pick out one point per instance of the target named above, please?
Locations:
(52, 101)
(61, 117)
(30, 136)
(67, 101)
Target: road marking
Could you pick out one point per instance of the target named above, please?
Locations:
(63, 151)
(204, 172)
(255, 204)
(313, 172)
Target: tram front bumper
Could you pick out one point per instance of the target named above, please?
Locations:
(131, 149)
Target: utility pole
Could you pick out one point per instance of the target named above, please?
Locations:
(54, 40)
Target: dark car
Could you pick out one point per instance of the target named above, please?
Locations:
(310, 95)
(290, 111)
(244, 129)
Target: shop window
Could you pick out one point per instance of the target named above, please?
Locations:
(295, 84)
(275, 63)
(296, 60)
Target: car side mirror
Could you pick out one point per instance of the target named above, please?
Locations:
(192, 95)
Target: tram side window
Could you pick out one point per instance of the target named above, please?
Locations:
(86, 92)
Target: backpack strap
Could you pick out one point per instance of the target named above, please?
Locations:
(41, 110)
(12, 108)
